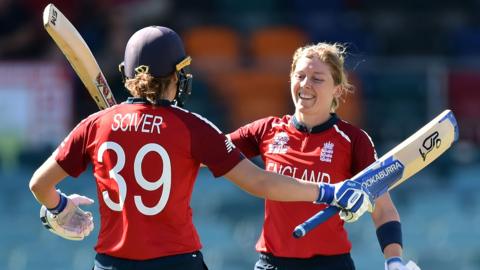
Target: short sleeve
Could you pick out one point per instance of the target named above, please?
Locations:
(71, 155)
(248, 137)
(364, 152)
(211, 147)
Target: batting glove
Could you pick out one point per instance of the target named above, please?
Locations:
(396, 263)
(71, 222)
(353, 199)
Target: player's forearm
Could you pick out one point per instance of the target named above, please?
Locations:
(384, 211)
(44, 193)
(281, 188)
(270, 185)
(48, 197)
(43, 183)
(392, 250)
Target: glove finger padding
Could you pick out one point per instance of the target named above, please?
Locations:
(411, 265)
(353, 199)
(348, 216)
(397, 264)
(90, 226)
(80, 199)
(351, 215)
(72, 223)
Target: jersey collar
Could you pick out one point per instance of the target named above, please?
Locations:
(139, 100)
(316, 129)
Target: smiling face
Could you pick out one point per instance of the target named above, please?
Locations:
(313, 90)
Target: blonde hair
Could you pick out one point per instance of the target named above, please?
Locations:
(333, 55)
(146, 86)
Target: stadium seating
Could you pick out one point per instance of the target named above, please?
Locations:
(273, 47)
(351, 107)
(251, 94)
(214, 49)
(464, 99)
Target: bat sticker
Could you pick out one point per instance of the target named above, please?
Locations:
(78, 54)
(53, 20)
(429, 143)
(398, 164)
(103, 88)
(377, 180)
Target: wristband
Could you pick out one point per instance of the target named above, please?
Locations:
(394, 259)
(389, 233)
(60, 206)
(325, 193)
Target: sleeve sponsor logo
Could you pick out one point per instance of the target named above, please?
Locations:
(229, 145)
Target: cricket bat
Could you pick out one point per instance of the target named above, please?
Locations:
(399, 164)
(79, 55)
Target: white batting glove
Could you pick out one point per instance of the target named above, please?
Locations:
(396, 263)
(350, 196)
(71, 223)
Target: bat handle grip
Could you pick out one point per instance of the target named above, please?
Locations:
(317, 219)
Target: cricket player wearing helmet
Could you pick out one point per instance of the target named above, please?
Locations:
(146, 154)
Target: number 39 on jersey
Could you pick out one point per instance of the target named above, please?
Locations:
(165, 179)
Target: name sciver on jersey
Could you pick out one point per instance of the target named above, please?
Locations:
(137, 122)
(292, 171)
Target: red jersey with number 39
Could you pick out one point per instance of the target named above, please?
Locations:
(331, 152)
(145, 160)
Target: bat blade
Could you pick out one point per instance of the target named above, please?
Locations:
(414, 153)
(77, 52)
(399, 164)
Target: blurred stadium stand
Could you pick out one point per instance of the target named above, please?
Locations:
(409, 60)
(216, 49)
(272, 47)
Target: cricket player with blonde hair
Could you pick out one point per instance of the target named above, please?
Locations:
(315, 145)
(145, 154)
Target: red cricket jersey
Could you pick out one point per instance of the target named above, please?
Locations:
(145, 160)
(331, 152)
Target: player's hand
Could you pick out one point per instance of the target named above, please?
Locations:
(350, 196)
(354, 200)
(72, 223)
(396, 263)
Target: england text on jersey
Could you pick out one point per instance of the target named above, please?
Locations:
(305, 175)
